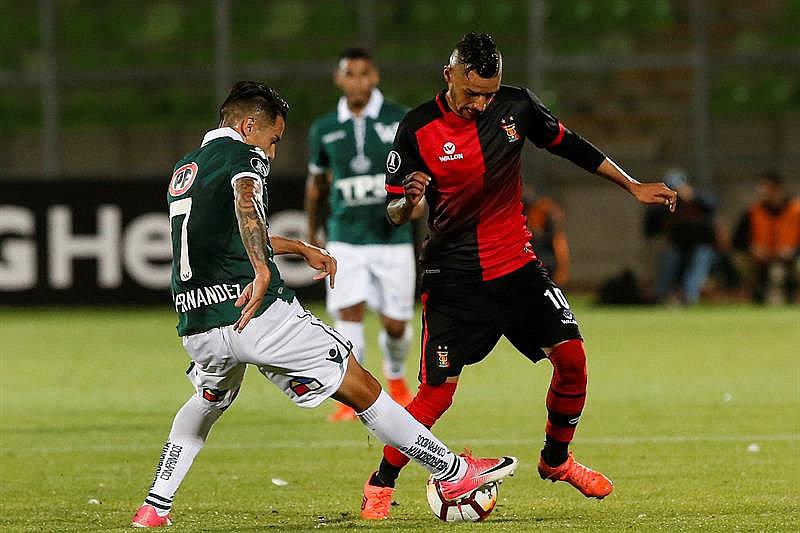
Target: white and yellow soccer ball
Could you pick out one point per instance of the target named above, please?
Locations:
(474, 507)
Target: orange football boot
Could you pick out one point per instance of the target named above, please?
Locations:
(399, 391)
(591, 483)
(342, 414)
(377, 501)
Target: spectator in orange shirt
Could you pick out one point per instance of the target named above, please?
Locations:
(770, 232)
(546, 221)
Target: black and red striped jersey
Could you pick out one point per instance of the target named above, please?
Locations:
(475, 218)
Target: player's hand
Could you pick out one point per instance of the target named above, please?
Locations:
(655, 193)
(320, 259)
(251, 298)
(414, 186)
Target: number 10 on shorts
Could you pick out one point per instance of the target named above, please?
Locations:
(557, 297)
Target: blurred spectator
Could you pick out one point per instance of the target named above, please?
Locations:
(770, 234)
(691, 238)
(546, 221)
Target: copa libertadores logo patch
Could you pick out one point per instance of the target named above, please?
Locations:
(393, 162)
(260, 166)
(182, 179)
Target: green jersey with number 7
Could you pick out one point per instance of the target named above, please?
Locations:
(210, 266)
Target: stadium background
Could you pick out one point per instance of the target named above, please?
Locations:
(692, 412)
(119, 90)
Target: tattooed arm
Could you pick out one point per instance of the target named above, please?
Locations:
(316, 257)
(253, 230)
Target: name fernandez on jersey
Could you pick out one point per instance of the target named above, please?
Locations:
(196, 298)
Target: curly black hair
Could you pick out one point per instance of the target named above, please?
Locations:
(478, 52)
(255, 96)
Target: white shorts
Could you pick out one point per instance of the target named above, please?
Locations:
(382, 275)
(291, 347)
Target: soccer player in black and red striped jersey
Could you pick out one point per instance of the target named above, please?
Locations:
(461, 152)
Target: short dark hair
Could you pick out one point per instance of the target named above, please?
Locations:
(355, 52)
(253, 96)
(478, 52)
(773, 178)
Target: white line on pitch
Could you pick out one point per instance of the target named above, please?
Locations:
(365, 442)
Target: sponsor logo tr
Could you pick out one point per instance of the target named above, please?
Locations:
(449, 148)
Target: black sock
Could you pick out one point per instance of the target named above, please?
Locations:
(554, 452)
(386, 475)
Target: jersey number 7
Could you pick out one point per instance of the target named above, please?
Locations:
(176, 209)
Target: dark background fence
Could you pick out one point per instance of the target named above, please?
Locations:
(120, 90)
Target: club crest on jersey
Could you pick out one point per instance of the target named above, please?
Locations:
(510, 127)
(182, 179)
(449, 148)
(260, 166)
(393, 162)
(442, 357)
(302, 386)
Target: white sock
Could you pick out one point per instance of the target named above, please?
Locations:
(394, 426)
(354, 332)
(187, 437)
(395, 352)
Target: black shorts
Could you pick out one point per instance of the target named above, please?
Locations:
(463, 320)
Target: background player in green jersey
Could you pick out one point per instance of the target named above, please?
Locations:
(346, 168)
(234, 309)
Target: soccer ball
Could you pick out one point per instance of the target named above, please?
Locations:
(473, 507)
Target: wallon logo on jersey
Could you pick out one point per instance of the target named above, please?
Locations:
(449, 149)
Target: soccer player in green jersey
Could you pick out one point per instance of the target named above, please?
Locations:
(348, 150)
(234, 309)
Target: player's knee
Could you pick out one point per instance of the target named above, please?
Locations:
(354, 313)
(394, 328)
(569, 362)
(359, 389)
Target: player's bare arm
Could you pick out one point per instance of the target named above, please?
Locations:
(253, 231)
(401, 210)
(647, 193)
(316, 257)
(316, 184)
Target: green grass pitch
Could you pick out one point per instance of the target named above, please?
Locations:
(679, 402)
